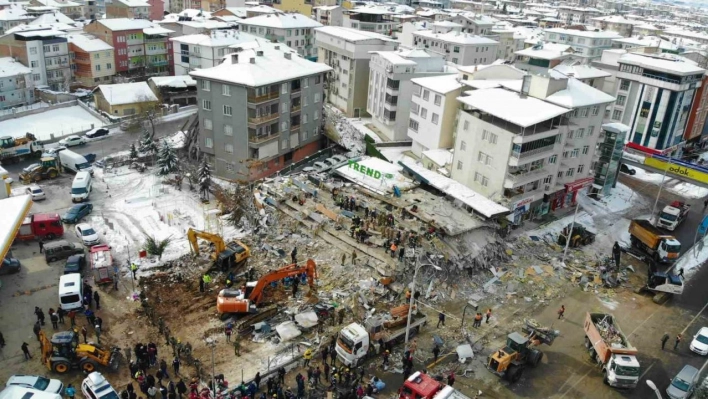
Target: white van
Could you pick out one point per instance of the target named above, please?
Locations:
(71, 291)
(95, 386)
(81, 187)
(16, 391)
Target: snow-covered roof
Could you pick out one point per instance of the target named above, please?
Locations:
(10, 67)
(240, 12)
(581, 72)
(578, 94)
(127, 93)
(44, 32)
(326, 8)
(547, 51)
(238, 69)
(157, 30)
(118, 24)
(263, 9)
(604, 34)
(394, 57)
(648, 41)
(59, 4)
(179, 82)
(440, 156)
(51, 18)
(14, 14)
(134, 3)
(512, 107)
(352, 35)
(454, 37)
(14, 210)
(282, 21)
(458, 191)
(664, 62)
(216, 38)
(89, 43)
(617, 19)
(442, 84)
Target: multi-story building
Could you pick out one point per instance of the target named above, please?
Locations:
(45, 51)
(655, 94)
(457, 47)
(294, 30)
(577, 15)
(303, 7)
(616, 23)
(16, 85)
(11, 17)
(92, 60)
(348, 52)
(475, 24)
(329, 15)
(369, 19)
(137, 9)
(664, 46)
(585, 73)
(71, 9)
(542, 57)
(510, 41)
(520, 147)
(193, 52)
(426, 132)
(696, 126)
(253, 122)
(588, 45)
(142, 49)
(390, 87)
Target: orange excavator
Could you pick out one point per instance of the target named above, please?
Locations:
(246, 300)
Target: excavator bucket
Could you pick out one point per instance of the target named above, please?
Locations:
(545, 335)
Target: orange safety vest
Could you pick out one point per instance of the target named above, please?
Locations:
(393, 247)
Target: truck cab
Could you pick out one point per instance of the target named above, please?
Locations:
(672, 215)
(669, 250)
(423, 386)
(622, 371)
(353, 344)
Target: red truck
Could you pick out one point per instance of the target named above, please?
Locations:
(41, 225)
(423, 386)
(101, 264)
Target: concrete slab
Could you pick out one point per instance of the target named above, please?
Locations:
(306, 319)
(287, 330)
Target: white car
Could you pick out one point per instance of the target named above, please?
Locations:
(36, 192)
(700, 342)
(72, 141)
(87, 234)
(36, 382)
(95, 386)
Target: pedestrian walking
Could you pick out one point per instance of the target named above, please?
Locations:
(175, 365)
(436, 353)
(386, 355)
(41, 244)
(393, 249)
(133, 269)
(664, 338)
(70, 391)
(25, 350)
(97, 330)
(678, 340)
(340, 314)
(307, 356)
(441, 319)
(84, 332)
(127, 353)
(401, 253)
(489, 315)
(60, 314)
(163, 368)
(227, 331)
(257, 380)
(152, 392)
(477, 320)
(354, 257)
(40, 314)
(333, 357)
(451, 379)
(36, 329)
(293, 255)
(680, 272)
(413, 346)
(55, 320)
(181, 388)
(97, 299)
(72, 317)
(561, 312)
(115, 281)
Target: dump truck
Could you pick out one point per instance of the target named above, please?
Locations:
(63, 352)
(422, 386)
(356, 342)
(661, 247)
(673, 214)
(13, 150)
(579, 235)
(520, 351)
(608, 346)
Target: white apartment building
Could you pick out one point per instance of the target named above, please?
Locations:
(426, 131)
(510, 41)
(541, 57)
(16, 85)
(348, 52)
(45, 52)
(294, 30)
(193, 52)
(577, 15)
(519, 146)
(458, 47)
(616, 23)
(329, 15)
(588, 45)
(475, 24)
(369, 19)
(390, 87)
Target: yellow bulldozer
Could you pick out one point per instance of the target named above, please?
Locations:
(63, 352)
(48, 168)
(225, 254)
(520, 350)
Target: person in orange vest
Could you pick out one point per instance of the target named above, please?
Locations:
(393, 249)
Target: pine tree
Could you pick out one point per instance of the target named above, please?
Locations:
(133, 152)
(504, 9)
(166, 159)
(204, 179)
(145, 142)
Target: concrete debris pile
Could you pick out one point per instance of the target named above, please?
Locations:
(610, 334)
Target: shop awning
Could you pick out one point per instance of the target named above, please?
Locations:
(580, 183)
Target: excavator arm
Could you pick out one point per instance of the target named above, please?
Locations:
(310, 268)
(218, 242)
(46, 347)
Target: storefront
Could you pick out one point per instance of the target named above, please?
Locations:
(557, 199)
(572, 189)
(520, 210)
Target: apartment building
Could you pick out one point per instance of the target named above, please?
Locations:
(137, 9)
(475, 24)
(294, 30)
(696, 126)
(45, 52)
(510, 41)
(72, 9)
(92, 60)
(391, 88)
(457, 47)
(655, 94)
(13, 16)
(541, 57)
(16, 84)
(587, 45)
(431, 122)
(616, 23)
(253, 122)
(348, 52)
(530, 143)
(585, 73)
(329, 15)
(570, 15)
(202, 51)
(369, 19)
(303, 7)
(142, 49)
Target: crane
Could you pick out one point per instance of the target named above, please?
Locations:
(246, 301)
(223, 252)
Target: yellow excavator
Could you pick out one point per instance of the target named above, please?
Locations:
(63, 352)
(520, 351)
(225, 254)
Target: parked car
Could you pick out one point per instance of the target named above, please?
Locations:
(683, 385)
(700, 342)
(36, 192)
(87, 234)
(61, 249)
(75, 264)
(77, 212)
(36, 382)
(72, 140)
(626, 169)
(96, 133)
(95, 386)
(10, 266)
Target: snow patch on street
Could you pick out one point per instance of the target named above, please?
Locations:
(53, 123)
(686, 190)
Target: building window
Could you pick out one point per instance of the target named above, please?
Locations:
(456, 49)
(36, 77)
(574, 153)
(484, 158)
(34, 64)
(228, 110)
(438, 99)
(553, 159)
(415, 108)
(98, 67)
(463, 145)
(459, 165)
(206, 105)
(317, 97)
(586, 149)
(489, 136)
(55, 48)
(591, 130)
(581, 168)
(423, 113)
(316, 116)
(617, 115)
(284, 88)
(109, 66)
(226, 90)
(580, 133)
(229, 148)
(565, 154)
(207, 124)
(33, 50)
(228, 130)
(416, 90)
(569, 172)
(206, 85)
(621, 100)
(97, 56)
(624, 85)
(584, 112)
(466, 125)
(560, 175)
(595, 110)
(426, 95)
(571, 133)
(208, 142)
(479, 178)
(548, 179)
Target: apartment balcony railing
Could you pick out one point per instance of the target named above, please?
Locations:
(530, 153)
(262, 139)
(523, 177)
(294, 128)
(263, 98)
(263, 119)
(295, 108)
(274, 38)
(158, 63)
(156, 39)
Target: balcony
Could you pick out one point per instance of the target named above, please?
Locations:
(154, 39)
(295, 108)
(275, 38)
(158, 63)
(521, 158)
(134, 42)
(294, 128)
(256, 141)
(518, 178)
(57, 65)
(263, 98)
(157, 51)
(263, 119)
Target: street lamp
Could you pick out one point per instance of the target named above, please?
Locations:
(410, 305)
(210, 342)
(654, 388)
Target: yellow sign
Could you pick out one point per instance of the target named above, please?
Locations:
(678, 170)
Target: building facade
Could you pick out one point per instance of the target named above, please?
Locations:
(134, 9)
(45, 52)
(587, 45)
(11, 17)
(294, 30)
(16, 85)
(193, 52)
(329, 15)
(92, 61)
(458, 47)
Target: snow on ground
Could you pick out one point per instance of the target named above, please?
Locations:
(57, 122)
(693, 258)
(686, 190)
(395, 154)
